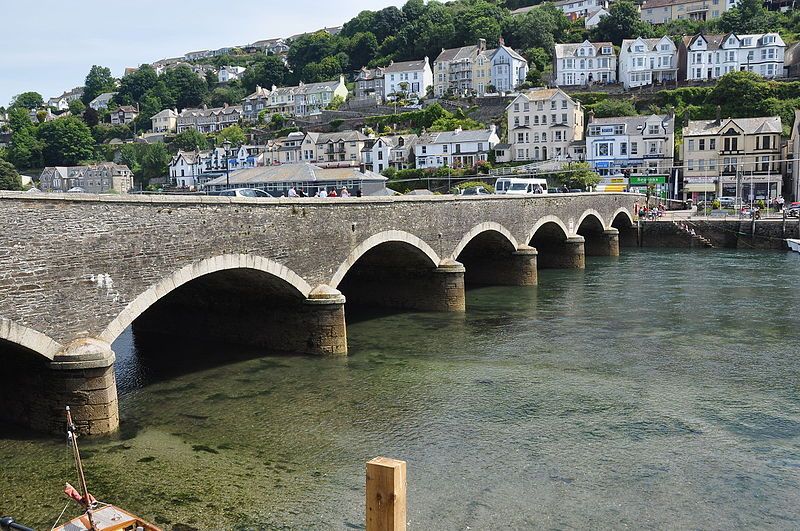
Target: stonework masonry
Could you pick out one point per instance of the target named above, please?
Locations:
(76, 270)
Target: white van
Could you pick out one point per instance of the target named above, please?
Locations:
(515, 186)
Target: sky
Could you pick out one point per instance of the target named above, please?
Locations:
(53, 51)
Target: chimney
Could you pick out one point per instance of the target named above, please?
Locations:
(719, 115)
(590, 116)
(457, 131)
(492, 129)
(481, 45)
(502, 41)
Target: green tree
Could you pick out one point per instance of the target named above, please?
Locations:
(98, 81)
(609, 108)
(76, 108)
(277, 121)
(66, 141)
(335, 103)
(25, 150)
(27, 100)
(233, 134)
(154, 162)
(267, 71)
(184, 87)
(231, 95)
(9, 178)
(135, 85)
(328, 68)
(749, 16)
(623, 22)
(578, 175)
(189, 140)
(363, 49)
(740, 93)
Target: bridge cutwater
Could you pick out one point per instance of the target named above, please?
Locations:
(77, 270)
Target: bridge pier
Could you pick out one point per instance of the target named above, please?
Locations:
(568, 254)
(517, 268)
(446, 292)
(605, 244)
(81, 377)
(323, 320)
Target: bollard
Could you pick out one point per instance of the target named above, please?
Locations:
(386, 494)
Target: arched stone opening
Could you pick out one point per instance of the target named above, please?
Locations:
(628, 234)
(401, 274)
(249, 307)
(23, 392)
(599, 241)
(491, 258)
(556, 249)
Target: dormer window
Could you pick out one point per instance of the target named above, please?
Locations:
(769, 39)
(639, 48)
(606, 50)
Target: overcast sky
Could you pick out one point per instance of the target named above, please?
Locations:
(50, 45)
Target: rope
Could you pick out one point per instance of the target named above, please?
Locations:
(59, 516)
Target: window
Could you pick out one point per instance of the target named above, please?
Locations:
(564, 118)
(520, 137)
(604, 149)
(552, 118)
(701, 144)
(424, 149)
(558, 136)
(553, 104)
(653, 129)
(480, 146)
(564, 104)
(634, 148)
(691, 145)
(623, 148)
(712, 143)
(444, 148)
(516, 107)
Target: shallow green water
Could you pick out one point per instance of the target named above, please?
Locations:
(660, 390)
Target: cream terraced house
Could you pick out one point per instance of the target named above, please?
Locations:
(545, 124)
(645, 62)
(333, 149)
(661, 11)
(707, 57)
(640, 144)
(585, 63)
(730, 157)
(472, 69)
(313, 98)
(165, 122)
(455, 149)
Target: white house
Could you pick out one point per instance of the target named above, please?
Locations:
(188, 169)
(61, 103)
(102, 101)
(585, 63)
(593, 17)
(647, 61)
(411, 78)
(640, 144)
(456, 149)
(575, 9)
(707, 57)
(389, 152)
(165, 122)
(509, 69)
(230, 73)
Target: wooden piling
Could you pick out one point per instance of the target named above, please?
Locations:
(386, 495)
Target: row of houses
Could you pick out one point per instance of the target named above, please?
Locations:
(96, 179)
(644, 62)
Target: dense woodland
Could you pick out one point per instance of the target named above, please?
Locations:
(375, 38)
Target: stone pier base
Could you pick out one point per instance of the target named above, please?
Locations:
(81, 377)
(569, 254)
(503, 269)
(603, 244)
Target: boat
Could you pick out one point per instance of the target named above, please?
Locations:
(97, 516)
(794, 245)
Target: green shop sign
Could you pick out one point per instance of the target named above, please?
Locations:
(647, 179)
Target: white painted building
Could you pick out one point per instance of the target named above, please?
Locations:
(645, 62)
(409, 78)
(585, 63)
(189, 169)
(455, 149)
(102, 101)
(165, 122)
(575, 9)
(509, 69)
(227, 74)
(640, 144)
(708, 57)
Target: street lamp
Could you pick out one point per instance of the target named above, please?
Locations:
(227, 146)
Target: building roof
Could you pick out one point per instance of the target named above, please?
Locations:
(228, 109)
(651, 4)
(523, 10)
(261, 92)
(571, 49)
(455, 54)
(166, 113)
(310, 88)
(127, 109)
(104, 97)
(636, 122)
(406, 66)
(342, 136)
(367, 74)
(510, 52)
(750, 126)
(294, 173)
(652, 44)
(713, 42)
(448, 137)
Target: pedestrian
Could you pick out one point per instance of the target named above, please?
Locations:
(358, 192)
(345, 193)
(781, 202)
(293, 192)
(322, 193)
(333, 193)
(301, 193)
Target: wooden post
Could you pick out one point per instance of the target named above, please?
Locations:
(386, 495)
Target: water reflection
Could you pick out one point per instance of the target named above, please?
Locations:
(657, 390)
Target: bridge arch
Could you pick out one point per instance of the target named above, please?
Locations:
(203, 268)
(18, 335)
(557, 246)
(544, 220)
(619, 215)
(623, 221)
(587, 214)
(403, 238)
(482, 228)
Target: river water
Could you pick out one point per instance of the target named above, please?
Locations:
(658, 390)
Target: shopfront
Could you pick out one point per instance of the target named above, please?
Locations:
(657, 184)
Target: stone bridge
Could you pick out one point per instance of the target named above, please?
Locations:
(77, 270)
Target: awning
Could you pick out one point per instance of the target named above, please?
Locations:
(700, 187)
(611, 187)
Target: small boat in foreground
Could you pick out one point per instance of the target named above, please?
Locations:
(794, 245)
(97, 516)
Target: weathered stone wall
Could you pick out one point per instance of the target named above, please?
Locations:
(733, 234)
(70, 265)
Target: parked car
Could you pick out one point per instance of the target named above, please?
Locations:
(793, 210)
(727, 202)
(240, 192)
(474, 190)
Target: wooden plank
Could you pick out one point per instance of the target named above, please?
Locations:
(386, 495)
